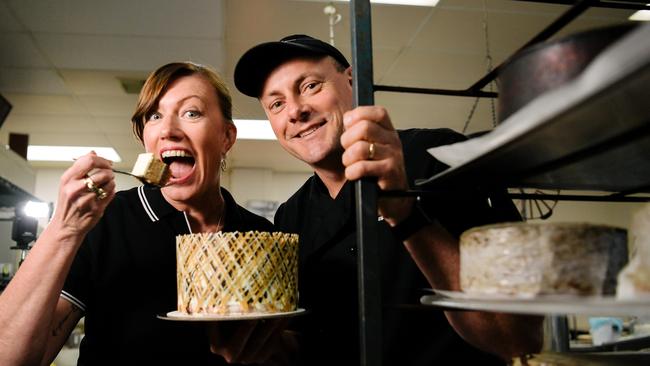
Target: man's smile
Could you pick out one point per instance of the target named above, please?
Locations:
(309, 131)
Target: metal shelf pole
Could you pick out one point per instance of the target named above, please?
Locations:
(368, 270)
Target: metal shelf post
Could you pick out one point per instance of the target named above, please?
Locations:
(368, 270)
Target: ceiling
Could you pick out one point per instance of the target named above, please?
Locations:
(61, 61)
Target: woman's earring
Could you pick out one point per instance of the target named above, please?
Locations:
(223, 164)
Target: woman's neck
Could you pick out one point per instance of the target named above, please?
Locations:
(206, 214)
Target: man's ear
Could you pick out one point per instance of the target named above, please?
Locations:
(348, 73)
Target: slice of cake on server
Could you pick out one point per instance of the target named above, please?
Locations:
(151, 170)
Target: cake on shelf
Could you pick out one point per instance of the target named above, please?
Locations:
(634, 280)
(231, 273)
(530, 259)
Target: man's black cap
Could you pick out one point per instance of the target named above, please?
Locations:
(257, 63)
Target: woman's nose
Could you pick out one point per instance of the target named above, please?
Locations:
(169, 128)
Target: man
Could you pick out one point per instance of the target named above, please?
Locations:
(305, 88)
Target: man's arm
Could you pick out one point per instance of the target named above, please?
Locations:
(373, 149)
(436, 254)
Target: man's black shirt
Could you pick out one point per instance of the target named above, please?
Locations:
(412, 334)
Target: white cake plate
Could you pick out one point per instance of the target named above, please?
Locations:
(540, 305)
(178, 316)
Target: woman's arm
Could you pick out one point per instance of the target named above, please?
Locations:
(30, 308)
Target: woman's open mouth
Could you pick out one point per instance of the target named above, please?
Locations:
(181, 164)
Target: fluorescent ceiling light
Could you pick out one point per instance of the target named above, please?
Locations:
(254, 129)
(402, 2)
(37, 209)
(641, 15)
(68, 153)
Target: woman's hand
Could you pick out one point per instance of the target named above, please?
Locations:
(85, 189)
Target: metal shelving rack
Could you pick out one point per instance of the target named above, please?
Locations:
(370, 324)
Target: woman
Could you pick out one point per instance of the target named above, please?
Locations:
(111, 256)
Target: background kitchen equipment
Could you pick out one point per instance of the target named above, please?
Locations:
(550, 64)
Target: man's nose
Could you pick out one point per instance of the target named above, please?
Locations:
(299, 111)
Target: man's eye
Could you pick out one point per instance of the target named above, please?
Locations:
(310, 87)
(276, 105)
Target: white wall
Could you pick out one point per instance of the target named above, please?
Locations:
(264, 184)
(16, 169)
(607, 213)
(615, 214)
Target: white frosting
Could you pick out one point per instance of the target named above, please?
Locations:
(142, 164)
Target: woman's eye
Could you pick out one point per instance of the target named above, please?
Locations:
(154, 117)
(192, 114)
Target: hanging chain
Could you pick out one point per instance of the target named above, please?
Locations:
(488, 60)
(334, 19)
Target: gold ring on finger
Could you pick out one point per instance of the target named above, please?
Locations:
(90, 184)
(101, 193)
(371, 151)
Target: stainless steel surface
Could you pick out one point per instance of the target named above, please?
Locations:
(559, 333)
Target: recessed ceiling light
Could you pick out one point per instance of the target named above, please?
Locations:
(254, 129)
(394, 2)
(407, 2)
(68, 153)
(641, 15)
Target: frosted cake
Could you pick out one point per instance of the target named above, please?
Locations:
(237, 273)
(526, 259)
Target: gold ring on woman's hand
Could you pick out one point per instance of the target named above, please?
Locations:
(101, 193)
(371, 151)
(92, 187)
